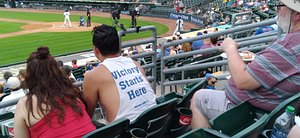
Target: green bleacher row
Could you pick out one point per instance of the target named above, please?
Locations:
(243, 120)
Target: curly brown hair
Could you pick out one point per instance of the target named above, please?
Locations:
(46, 81)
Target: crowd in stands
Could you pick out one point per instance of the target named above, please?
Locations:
(216, 13)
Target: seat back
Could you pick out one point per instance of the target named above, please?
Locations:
(156, 120)
(253, 130)
(293, 101)
(4, 95)
(203, 133)
(167, 97)
(235, 119)
(6, 116)
(116, 129)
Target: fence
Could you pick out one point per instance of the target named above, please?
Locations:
(243, 43)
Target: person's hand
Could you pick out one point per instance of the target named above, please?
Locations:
(228, 44)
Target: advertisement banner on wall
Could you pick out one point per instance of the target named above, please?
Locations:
(184, 17)
(189, 18)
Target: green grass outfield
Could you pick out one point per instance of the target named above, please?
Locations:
(8, 27)
(17, 48)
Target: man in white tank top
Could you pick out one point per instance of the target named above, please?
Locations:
(117, 83)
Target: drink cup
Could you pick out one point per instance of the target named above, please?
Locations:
(185, 116)
(10, 129)
(138, 133)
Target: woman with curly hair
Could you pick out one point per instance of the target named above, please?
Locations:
(52, 107)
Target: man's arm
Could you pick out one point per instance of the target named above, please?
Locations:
(90, 92)
(242, 79)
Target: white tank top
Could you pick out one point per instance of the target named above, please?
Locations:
(136, 94)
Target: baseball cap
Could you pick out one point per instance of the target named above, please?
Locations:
(13, 83)
(293, 4)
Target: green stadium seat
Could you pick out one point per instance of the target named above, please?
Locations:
(292, 101)
(156, 120)
(203, 133)
(116, 129)
(177, 129)
(241, 118)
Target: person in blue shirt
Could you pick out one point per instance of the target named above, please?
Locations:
(196, 45)
(264, 29)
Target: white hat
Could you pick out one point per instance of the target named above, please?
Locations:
(177, 33)
(13, 83)
(293, 4)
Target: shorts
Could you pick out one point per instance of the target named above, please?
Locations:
(211, 103)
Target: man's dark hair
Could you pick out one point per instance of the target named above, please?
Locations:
(7, 75)
(60, 63)
(67, 69)
(106, 39)
(214, 40)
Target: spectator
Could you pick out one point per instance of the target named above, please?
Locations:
(119, 83)
(186, 47)
(227, 19)
(6, 76)
(13, 84)
(266, 81)
(52, 106)
(60, 63)
(265, 29)
(211, 43)
(177, 35)
(196, 45)
(74, 64)
(21, 77)
(67, 70)
(173, 50)
(1, 90)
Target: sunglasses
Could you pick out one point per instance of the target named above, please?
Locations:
(278, 6)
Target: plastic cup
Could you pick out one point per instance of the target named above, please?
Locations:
(10, 129)
(185, 116)
(138, 133)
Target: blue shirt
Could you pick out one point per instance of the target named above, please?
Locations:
(196, 45)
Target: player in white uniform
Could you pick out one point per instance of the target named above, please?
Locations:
(67, 18)
(179, 25)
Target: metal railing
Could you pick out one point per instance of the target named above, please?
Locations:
(242, 43)
(152, 40)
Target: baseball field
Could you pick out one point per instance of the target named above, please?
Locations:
(22, 31)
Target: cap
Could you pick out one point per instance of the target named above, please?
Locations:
(13, 83)
(293, 4)
(290, 109)
(177, 33)
(199, 33)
